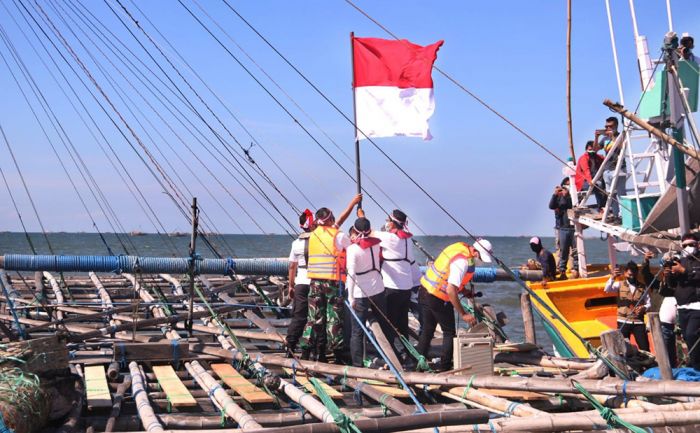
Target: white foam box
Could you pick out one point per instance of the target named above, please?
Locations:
(475, 351)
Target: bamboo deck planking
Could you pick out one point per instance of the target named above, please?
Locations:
(172, 386)
(96, 387)
(251, 393)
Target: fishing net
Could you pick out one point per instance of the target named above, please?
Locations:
(23, 405)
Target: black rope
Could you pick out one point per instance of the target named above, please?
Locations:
(19, 215)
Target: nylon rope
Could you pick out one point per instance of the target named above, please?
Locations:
(611, 418)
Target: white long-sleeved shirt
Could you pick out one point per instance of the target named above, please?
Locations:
(296, 255)
(613, 286)
(360, 260)
(398, 274)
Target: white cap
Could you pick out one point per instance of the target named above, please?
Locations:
(485, 249)
(535, 240)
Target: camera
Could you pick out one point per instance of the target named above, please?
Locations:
(669, 262)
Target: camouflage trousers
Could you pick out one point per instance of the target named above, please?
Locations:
(324, 325)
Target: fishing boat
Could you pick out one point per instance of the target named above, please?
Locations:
(654, 211)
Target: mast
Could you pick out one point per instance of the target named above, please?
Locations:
(568, 80)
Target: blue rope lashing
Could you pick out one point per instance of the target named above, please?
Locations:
(71, 354)
(122, 355)
(357, 396)
(492, 427)
(294, 371)
(175, 344)
(624, 393)
(213, 390)
(230, 266)
(3, 427)
(511, 407)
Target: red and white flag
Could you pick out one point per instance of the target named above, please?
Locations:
(393, 87)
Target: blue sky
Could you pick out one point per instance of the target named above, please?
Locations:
(510, 53)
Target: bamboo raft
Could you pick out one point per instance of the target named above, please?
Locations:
(108, 352)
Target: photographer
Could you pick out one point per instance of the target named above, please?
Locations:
(682, 278)
(560, 203)
(605, 139)
(633, 301)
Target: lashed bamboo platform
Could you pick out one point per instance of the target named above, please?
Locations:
(125, 361)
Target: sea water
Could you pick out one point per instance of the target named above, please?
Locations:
(504, 296)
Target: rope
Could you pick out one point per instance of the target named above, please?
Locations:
(344, 423)
(468, 387)
(609, 415)
(175, 344)
(422, 363)
(382, 403)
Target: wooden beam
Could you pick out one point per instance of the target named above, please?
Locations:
(251, 393)
(177, 393)
(96, 387)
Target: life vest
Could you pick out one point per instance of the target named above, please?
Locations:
(626, 301)
(405, 236)
(305, 237)
(435, 278)
(324, 261)
(368, 243)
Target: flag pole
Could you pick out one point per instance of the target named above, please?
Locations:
(354, 111)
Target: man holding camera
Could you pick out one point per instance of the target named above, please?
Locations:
(605, 139)
(560, 203)
(682, 276)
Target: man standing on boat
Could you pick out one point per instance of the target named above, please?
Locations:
(399, 272)
(366, 294)
(682, 276)
(448, 275)
(326, 271)
(633, 301)
(605, 139)
(560, 203)
(299, 283)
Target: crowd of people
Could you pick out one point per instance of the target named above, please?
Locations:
(339, 282)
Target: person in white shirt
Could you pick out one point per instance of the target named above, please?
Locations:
(299, 283)
(399, 270)
(365, 287)
(633, 301)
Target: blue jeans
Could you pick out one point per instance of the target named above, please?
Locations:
(620, 189)
(667, 331)
(566, 246)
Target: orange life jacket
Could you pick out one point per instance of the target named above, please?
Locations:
(325, 262)
(438, 272)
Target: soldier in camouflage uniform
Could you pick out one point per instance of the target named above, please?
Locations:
(326, 266)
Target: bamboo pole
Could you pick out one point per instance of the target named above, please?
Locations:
(117, 403)
(609, 386)
(384, 344)
(56, 289)
(592, 421)
(614, 343)
(568, 81)
(493, 402)
(660, 346)
(542, 360)
(224, 401)
(138, 392)
(378, 425)
(618, 108)
(393, 404)
(525, 304)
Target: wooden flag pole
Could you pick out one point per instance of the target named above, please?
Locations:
(354, 111)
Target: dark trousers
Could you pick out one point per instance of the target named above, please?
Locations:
(669, 334)
(398, 302)
(566, 246)
(689, 322)
(639, 330)
(365, 310)
(300, 311)
(436, 311)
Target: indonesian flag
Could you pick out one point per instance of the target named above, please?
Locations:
(393, 87)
